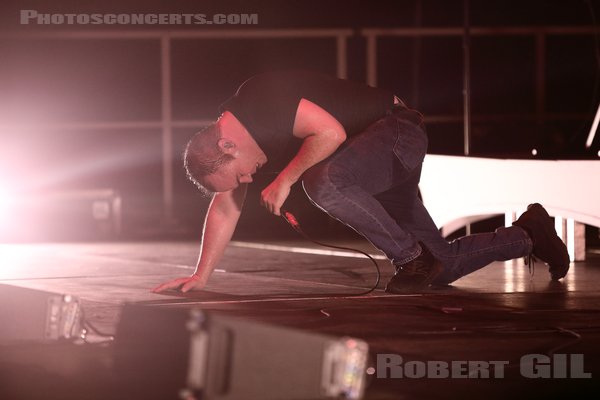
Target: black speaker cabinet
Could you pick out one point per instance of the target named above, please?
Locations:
(36, 315)
(169, 353)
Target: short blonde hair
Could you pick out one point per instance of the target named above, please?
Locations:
(203, 156)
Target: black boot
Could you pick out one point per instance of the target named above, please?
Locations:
(415, 275)
(547, 246)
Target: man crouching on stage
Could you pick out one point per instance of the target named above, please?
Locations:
(358, 151)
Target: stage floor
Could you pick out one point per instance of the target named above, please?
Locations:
(498, 313)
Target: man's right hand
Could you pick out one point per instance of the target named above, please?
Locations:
(186, 284)
(223, 214)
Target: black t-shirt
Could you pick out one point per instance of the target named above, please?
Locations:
(266, 105)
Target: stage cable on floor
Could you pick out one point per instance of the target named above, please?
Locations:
(291, 219)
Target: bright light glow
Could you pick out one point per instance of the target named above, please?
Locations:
(13, 257)
(558, 225)
(6, 201)
(515, 276)
(509, 218)
(571, 238)
(508, 278)
(534, 152)
(590, 138)
(9, 201)
(565, 229)
(303, 250)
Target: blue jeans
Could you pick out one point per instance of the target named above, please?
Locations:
(371, 184)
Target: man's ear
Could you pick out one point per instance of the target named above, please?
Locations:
(227, 146)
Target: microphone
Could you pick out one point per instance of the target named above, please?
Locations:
(289, 217)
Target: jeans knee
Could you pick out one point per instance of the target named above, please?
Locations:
(325, 184)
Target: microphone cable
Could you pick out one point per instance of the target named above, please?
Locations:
(291, 219)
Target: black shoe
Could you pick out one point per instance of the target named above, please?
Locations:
(547, 246)
(416, 274)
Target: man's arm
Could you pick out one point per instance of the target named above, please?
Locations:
(322, 134)
(222, 217)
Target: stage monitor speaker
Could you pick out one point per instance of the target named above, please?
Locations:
(36, 315)
(163, 353)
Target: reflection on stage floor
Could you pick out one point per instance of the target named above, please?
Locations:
(501, 312)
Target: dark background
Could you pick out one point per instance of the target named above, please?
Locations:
(49, 82)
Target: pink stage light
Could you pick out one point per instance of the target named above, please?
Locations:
(5, 202)
(8, 202)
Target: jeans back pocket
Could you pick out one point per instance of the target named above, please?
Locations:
(411, 144)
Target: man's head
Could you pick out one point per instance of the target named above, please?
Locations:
(222, 155)
(203, 156)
